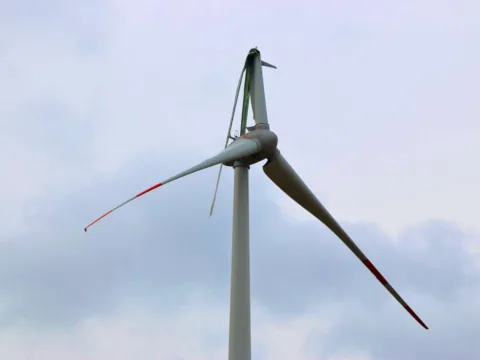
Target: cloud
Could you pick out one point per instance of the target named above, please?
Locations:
(160, 250)
(106, 98)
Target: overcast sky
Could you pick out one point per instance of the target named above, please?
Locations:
(376, 107)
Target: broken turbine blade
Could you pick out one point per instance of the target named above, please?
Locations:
(283, 175)
(257, 91)
(264, 63)
(229, 136)
(216, 190)
(237, 150)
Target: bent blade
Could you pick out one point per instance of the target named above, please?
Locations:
(283, 175)
(228, 137)
(237, 150)
(216, 190)
(257, 90)
(264, 63)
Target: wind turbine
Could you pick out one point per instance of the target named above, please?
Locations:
(255, 144)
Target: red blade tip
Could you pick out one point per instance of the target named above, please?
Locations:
(384, 282)
(100, 218)
(149, 189)
(415, 316)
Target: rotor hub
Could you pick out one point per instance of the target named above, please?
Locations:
(267, 141)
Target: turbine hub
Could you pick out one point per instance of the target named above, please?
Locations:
(267, 140)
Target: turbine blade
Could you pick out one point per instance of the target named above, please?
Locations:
(283, 175)
(264, 63)
(237, 150)
(228, 138)
(257, 90)
(216, 190)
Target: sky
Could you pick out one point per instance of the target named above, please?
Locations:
(376, 107)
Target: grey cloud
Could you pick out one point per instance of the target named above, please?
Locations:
(55, 275)
(452, 335)
(320, 268)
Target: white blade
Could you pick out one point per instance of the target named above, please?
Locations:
(216, 190)
(283, 175)
(237, 150)
(264, 63)
(228, 138)
(259, 106)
